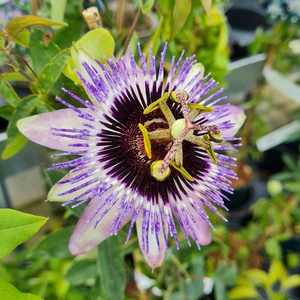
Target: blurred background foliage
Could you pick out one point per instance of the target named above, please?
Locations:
(256, 254)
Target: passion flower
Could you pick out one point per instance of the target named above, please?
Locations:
(148, 151)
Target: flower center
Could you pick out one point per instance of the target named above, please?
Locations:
(178, 131)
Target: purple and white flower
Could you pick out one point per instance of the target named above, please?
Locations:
(150, 151)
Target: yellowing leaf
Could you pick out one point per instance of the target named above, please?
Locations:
(242, 292)
(291, 282)
(206, 5)
(27, 21)
(17, 28)
(277, 271)
(256, 276)
(96, 43)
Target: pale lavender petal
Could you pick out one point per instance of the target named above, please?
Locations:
(85, 236)
(39, 129)
(237, 117)
(54, 194)
(154, 245)
(200, 226)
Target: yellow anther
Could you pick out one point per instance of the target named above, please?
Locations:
(158, 172)
(210, 151)
(178, 96)
(202, 108)
(155, 105)
(182, 171)
(147, 142)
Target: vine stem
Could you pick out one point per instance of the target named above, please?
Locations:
(131, 31)
(20, 69)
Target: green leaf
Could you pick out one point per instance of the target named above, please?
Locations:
(96, 43)
(243, 292)
(14, 146)
(220, 290)
(11, 293)
(16, 228)
(56, 244)
(50, 73)
(194, 287)
(15, 76)
(81, 271)
(291, 282)
(273, 248)
(6, 112)
(146, 5)
(226, 273)
(181, 13)
(292, 186)
(290, 163)
(283, 176)
(58, 10)
(23, 109)
(8, 93)
(15, 140)
(41, 54)
(111, 266)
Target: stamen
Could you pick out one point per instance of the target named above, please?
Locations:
(155, 105)
(183, 171)
(147, 143)
(202, 108)
(210, 150)
(179, 156)
(167, 113)
(160, 134)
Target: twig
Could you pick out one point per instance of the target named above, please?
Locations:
(131, 31)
